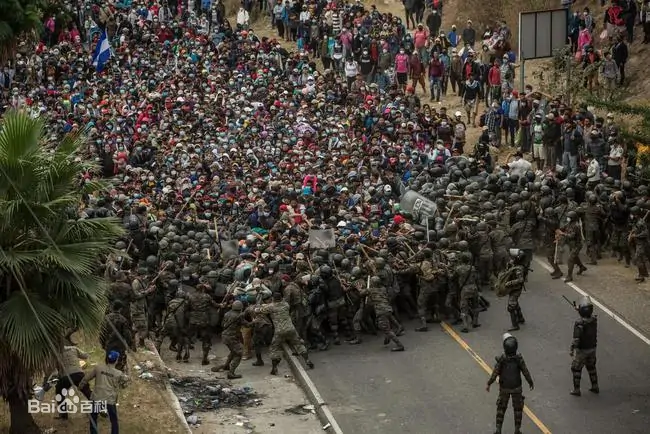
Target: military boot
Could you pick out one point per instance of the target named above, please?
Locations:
(576, 386)
(557, 273)
(309, 363)
(398, 346)
(520, 316)
(581, 269)
(465, 319)
(258, 361)
(593, 377)
(233, 376)
(475, 323)
(423, 327)
(274, 369)
(514, 320)
(336, 340)
(219, 368)
(569, 276)
(205, 360)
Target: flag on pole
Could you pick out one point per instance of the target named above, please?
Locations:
(102, 52)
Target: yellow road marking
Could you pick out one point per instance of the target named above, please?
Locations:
(451, 332)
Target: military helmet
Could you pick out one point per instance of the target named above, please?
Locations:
(120, 245)
(273, 265)
(463, 245)
(443, 243)
(465, 257)
(375, 281)
(585, 307)
(380, 262)
(521, 214)
(345, 263)
(572, 215)
(427, 252)
(356, 272)
(383, 253)
(337, 258)
(481, 226)
(525, 195)
(510, 344)
(550, 212)
(237, 306)
(152, 261)
(325, 271)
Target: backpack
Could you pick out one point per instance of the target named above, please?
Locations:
(500, 288)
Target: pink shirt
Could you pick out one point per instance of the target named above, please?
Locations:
(402, 63)
(420, 38)
(584, 38)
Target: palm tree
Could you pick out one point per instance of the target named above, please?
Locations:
(49, 259)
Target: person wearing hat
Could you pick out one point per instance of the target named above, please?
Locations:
(108, 382)
(231, 324)
(469, 34)
(456, 71)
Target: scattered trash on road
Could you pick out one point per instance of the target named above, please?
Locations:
(201, 394)
(300, 409)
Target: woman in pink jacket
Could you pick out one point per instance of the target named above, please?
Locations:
(584, 38)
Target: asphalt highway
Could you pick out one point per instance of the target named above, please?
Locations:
(437, 386)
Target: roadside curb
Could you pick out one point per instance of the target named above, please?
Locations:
(323, 411)
(173, 399)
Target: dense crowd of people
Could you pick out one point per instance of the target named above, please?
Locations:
(271, 200)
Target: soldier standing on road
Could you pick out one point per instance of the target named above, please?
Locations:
(514, 286)
(594, 215)
(551, 225)
(509, 367)
(572, 237)
(199, 304)
(378, 298)
(232, 323)
(639, 235)
(619, 216)
(467, 281)
(583, 346)
(284, 331)
(139, 306)
(335, 301)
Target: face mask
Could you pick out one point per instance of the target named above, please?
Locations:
(568, 220)
(293, 243)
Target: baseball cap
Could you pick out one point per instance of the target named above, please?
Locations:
(112, 356)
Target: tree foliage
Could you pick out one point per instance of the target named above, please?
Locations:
(49, 260)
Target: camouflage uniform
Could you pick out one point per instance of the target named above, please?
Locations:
(115, 335)
(199, 304)
(284, 332)
(139, 309)
(573, 239)
(498, 243)
(232, 338)
(293, 295)
(515, 285)
(377, 296)
(550, 226)
(619, 216)
(640, 236)
(485, 258)
(121, 291)
(593, 220)
(467, 282)
(508, 369)
(262, 333)
(175, 327)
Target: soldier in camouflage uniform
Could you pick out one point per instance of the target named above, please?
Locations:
(335, 301)
(498, 238)
(141, 290)
(377, 296)
(284, 331)
(175, 327)
(199, 304)
(232, 323)
(121, 290)
(115, 334)
(262, 328)
(572, 237)
(426, 271)
(583, 346)
(293, 294)
(522, 233)
(549, 242)
(640, 237)
(467, 283)
(515, 286)
(593, 219)
(485, 254)
(619, 217)
(508, 368)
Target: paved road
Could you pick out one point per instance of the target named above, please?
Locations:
(438, 386)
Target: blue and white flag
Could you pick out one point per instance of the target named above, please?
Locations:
(102, 52)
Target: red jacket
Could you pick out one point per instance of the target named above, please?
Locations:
(494, 76)
(436, 68)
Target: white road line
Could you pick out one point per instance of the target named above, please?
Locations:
(600, 305)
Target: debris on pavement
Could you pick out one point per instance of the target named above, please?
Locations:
(300, 409)
(201, 394)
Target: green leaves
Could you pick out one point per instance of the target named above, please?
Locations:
(49, 264)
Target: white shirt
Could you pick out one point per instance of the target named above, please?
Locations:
(519, 167)
(304, 16)
(242, 17)
(615, 152)
(593, 171)
(351, 69)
